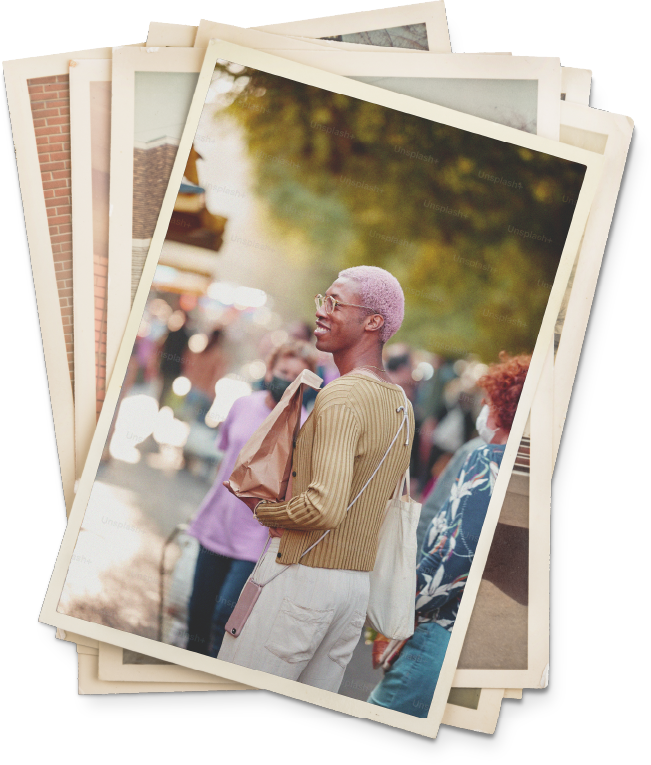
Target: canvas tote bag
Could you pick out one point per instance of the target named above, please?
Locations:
(392, 603)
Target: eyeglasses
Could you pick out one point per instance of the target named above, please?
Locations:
(331, 303)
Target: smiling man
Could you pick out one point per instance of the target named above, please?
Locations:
(348, 458)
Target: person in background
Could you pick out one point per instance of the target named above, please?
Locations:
(171, 351)
(399, 364)
(452, 430)
(203, 370)
(433, 408)
(302, 330)
(408, 685)
(441, 491)
(230, 539)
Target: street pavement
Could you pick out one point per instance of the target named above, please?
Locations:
(149, 500)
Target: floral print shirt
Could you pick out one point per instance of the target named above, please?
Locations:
(452, 536)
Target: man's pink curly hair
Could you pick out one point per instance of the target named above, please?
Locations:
(380, 291)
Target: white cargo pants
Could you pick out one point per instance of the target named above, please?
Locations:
(305, 624)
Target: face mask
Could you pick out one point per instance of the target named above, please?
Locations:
(277, 386)
(482, 425)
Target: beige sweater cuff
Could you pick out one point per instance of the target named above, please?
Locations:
(261, 506)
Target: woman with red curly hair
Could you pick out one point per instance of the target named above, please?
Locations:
(448, 550)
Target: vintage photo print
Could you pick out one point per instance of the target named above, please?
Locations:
(609, 135)
(139, 124)
(39, 108)
(90, 150)
(422, 25)
(272, 209)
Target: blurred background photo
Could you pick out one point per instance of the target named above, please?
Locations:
(285, 186)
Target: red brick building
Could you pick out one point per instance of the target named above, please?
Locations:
(50, 101)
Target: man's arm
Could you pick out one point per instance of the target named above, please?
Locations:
(323, 504)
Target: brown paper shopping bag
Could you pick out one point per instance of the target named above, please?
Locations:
(263, 466)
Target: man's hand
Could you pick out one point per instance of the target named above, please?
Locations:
(276, 532)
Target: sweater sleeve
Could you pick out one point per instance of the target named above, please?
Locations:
(323, 504)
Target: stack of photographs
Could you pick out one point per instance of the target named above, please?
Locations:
(185, 198)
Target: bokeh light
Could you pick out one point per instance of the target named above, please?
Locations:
(224, 292)
(176, 321)
(249, 297)
(257, 369)
(279, 336)
(170, 431)
(198, 342)
(135, 422)
(227, 391)
(181, 386)
(423, 371)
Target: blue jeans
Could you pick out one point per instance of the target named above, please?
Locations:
(409, 685)
(218, 581)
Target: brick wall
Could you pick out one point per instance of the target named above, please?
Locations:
(100, 132)
(139, 252)
(50, 101)
(152, 166)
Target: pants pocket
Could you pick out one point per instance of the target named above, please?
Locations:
(343, 648)
(297, 632)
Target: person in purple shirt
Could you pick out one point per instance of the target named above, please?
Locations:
(230, 538)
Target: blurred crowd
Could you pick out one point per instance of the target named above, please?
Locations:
(198, 366)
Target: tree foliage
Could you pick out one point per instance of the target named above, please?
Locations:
(371, 185)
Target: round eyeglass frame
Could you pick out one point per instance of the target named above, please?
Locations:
(328, 300)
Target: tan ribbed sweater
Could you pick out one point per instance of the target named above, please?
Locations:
(339, 446)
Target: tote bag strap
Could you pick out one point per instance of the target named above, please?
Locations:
(405, 421)
(403, 481)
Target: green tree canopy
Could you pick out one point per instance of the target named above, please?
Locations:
(471, 226)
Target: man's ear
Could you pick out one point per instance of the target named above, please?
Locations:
(374, 322)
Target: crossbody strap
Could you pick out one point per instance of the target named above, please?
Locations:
(405, 421)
